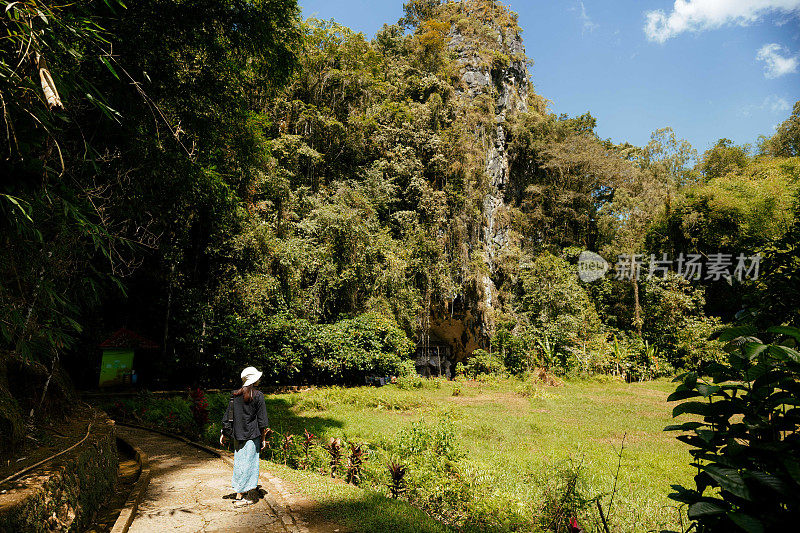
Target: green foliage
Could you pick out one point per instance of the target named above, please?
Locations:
(567, 497)
(675, 324)
(563, 317)
(736, 212)
(417, 11)
(348, 349)
(513, 346)
(786, 141)
(51, 211)
(778, 288)
(481, 364)
(407, 377)
(56, 40)
(433, 442)
(636, 360)
(564, 175)
(172, 414)
(746, 447)
(342, 352)
(669, 159)
(722, 159)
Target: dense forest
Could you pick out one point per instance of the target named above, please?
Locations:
(250, 188)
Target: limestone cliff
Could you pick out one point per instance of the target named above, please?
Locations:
(491, 79)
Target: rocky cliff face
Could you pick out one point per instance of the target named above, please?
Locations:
(491, 63)
(504, 76)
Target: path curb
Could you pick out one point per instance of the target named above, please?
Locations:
(125, 518)
(292, 523)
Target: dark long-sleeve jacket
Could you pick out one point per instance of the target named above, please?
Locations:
(249, 419)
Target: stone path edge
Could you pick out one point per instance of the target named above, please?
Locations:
(293, 524)
(125, 518)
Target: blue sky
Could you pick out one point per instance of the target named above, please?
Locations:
(706, 68)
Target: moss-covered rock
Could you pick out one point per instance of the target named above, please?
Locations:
(66, 495)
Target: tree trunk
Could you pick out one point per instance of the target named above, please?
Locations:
(166, 317)
(46, 386)
(637, 310)
(34, 297)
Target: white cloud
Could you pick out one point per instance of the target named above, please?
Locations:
(776, 104)
(777, 60)
(588, 24)
(772, 103)
(697, 15)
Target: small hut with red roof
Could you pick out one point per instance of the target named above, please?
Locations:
(116, 366)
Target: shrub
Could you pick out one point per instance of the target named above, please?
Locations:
(174, 414)
(342, 352)
(481, 363)
(421, 439)
(557, 306)
(406, 368)
(334, 449)
(348, 350)
(747, 446)
(217, 405)
(286, 447)
(308, 444)
(513, 346)
(635, 359)
(646, 362)
(355, 461)
(407, 376)
(211, 433)
(199, 406)
(397, 473)
(532, 390)
(412, 381)
(566, 495)
(541, 376)
(675, 323)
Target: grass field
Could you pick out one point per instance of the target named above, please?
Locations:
(516, 447)
(356, 508)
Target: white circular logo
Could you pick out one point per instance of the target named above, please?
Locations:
(591, 266)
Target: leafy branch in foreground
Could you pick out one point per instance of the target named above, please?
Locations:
(746, 448)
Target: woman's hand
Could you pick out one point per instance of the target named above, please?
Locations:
(263, 444)
(222, 440)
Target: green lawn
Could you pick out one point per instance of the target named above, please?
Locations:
(358, 509)
(515, 443)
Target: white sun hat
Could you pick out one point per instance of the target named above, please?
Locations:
(250, 375)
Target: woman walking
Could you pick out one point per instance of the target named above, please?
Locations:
(245, 422)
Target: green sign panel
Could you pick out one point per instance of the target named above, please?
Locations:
(115, 365)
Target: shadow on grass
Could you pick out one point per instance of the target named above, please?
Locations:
(374, 513)
(283, 420)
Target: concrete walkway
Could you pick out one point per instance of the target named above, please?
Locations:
(190, 491)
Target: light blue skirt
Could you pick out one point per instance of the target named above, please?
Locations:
(245, 465)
